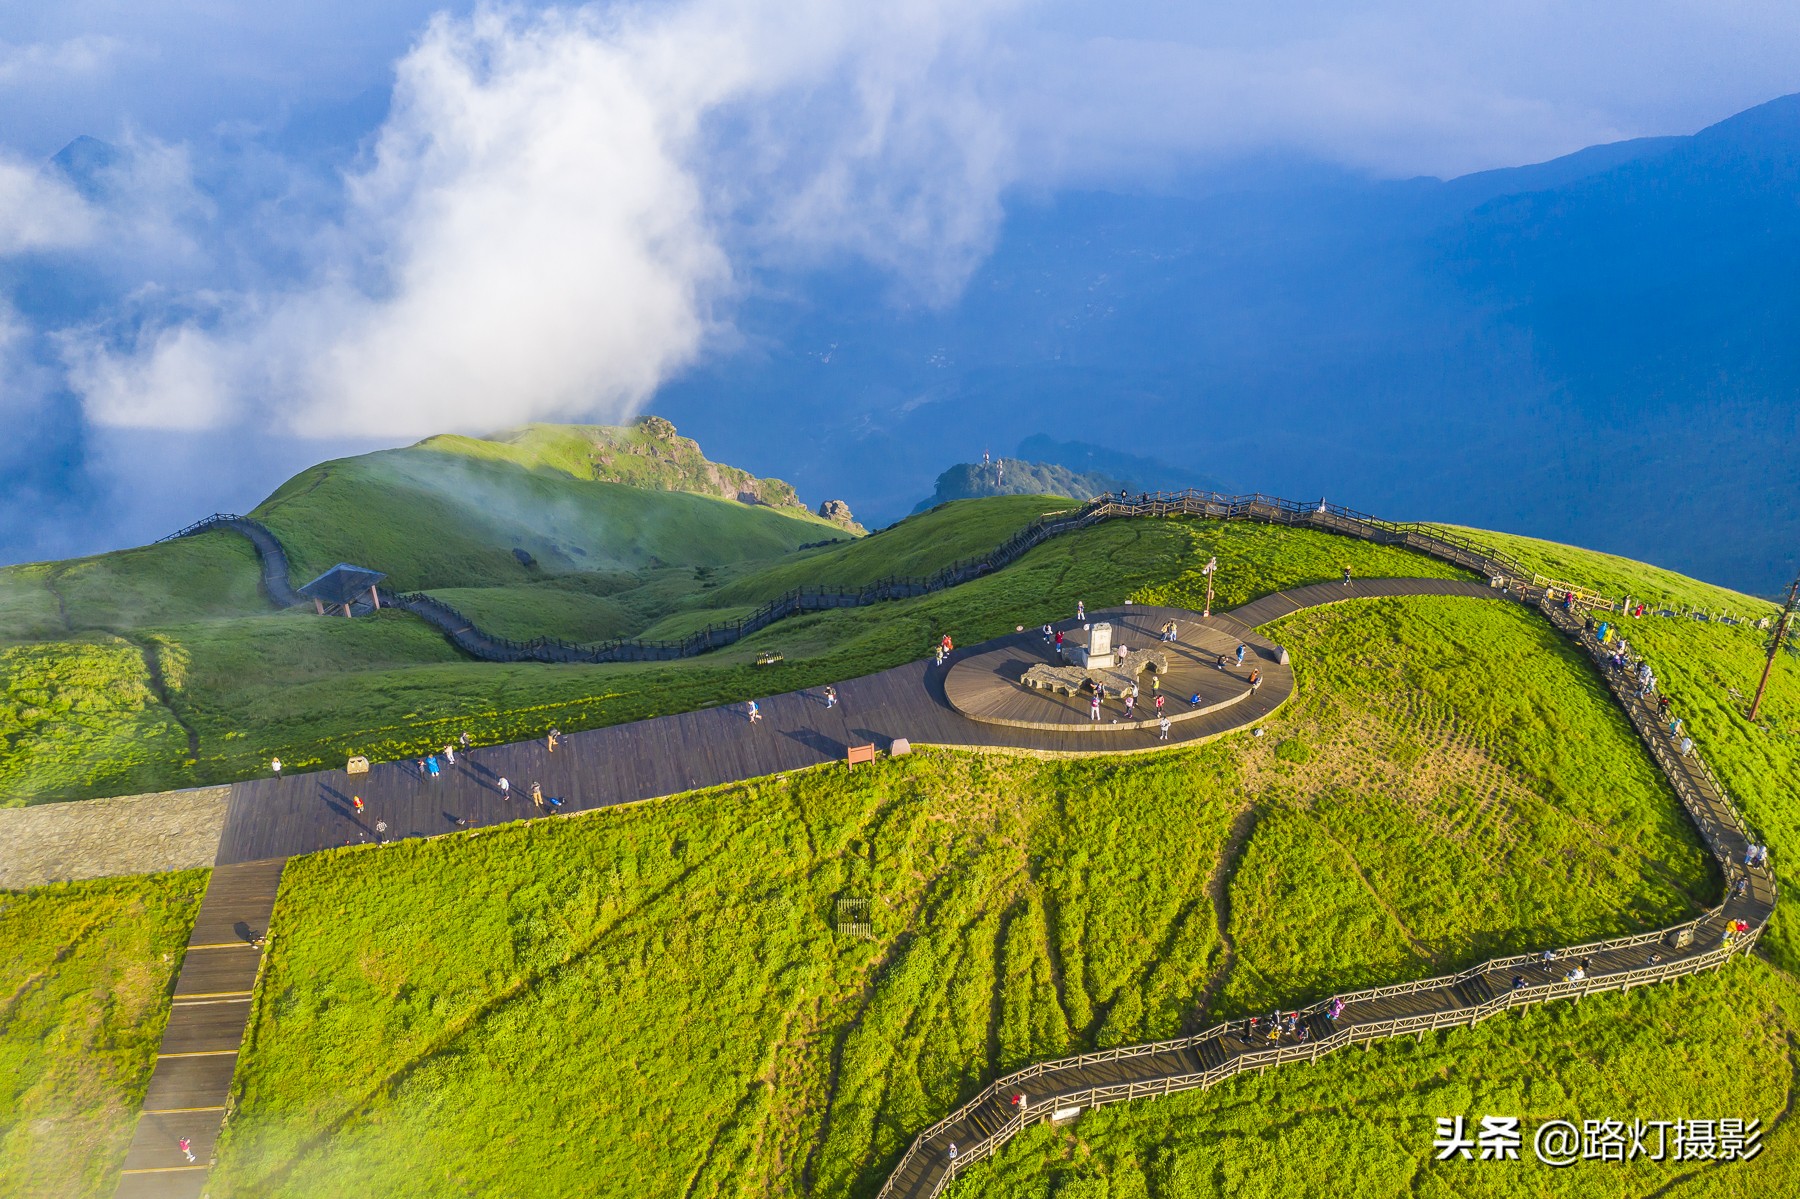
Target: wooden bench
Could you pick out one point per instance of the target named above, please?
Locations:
(859, 753)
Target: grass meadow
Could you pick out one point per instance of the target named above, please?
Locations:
(86, 970)
(654, 1000)
(315, 691)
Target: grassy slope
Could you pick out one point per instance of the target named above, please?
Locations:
(449, 512)
(80, 718)
(274, 698)
(85, 974)
(197, 578)
(1361, 1124)
(656, 991)
(1710, 670)
(916, 547)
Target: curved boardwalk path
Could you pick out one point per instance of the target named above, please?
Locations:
(271, 819)
(1449, 545)
(1062, 1089)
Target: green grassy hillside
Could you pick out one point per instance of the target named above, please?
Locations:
(451, 511)
(660, 988)
(177, 582)
(85, 975)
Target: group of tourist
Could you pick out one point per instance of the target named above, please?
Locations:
(1276, 1026)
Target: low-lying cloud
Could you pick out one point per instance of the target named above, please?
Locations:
(546, 224)
(40, 211)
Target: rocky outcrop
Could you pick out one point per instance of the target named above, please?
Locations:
(838, 513)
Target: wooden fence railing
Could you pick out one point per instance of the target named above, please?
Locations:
(1448, 545)
(1697, 788)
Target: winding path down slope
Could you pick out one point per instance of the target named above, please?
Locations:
(274, 818)
(1448, 545)
(1062, 1089)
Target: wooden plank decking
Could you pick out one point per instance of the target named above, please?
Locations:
(301, 813)
(272, 819)
(194, 1063)
(975, 1130)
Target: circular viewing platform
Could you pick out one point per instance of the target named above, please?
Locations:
(987, 685)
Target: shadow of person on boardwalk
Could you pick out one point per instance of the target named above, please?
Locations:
(815, 740)
(338, 802)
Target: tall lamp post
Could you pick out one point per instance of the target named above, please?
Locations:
(1776, 641)
(1212, 567)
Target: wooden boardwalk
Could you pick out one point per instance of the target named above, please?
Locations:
(194, 1064)
(272, 819)
(1061, 1090)
(984, 685)
(302, 813)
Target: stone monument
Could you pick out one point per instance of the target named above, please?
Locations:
(1097, 654)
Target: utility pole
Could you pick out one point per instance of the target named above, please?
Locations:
(1782, 623)
(1212, 567)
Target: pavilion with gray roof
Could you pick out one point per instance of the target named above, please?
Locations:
(343, 587)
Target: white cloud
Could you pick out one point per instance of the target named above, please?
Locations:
(39, 210)
(547, 223)
(173, 378)
(35, 62)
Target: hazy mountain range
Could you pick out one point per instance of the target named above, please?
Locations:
(1601, 349)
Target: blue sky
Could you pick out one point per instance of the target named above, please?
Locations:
(339, 225)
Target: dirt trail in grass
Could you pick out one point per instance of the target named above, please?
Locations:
(1218, 889)
(1419, 947)
(159, 687)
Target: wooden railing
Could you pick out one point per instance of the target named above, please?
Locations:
(1697, 788)
(1448, 545)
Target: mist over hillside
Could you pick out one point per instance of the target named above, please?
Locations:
(1599, 349)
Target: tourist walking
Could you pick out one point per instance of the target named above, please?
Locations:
(830, 696)
(505, 790)
(1159, 703)
(554, 736)
(1346, 576)
(1080, 610)
(1130, 703)
(1163, 729)
(1174, 632)
(356, 804)
(537, 795)
(466, 740)
(752, 711)
(1094, 706)
(187, 1148)
(1059, 644)
(431, 765)
(275, 765)
(450, 754)
(1255, 678)
(1687, 746)
(940, 655)
(1240, 653)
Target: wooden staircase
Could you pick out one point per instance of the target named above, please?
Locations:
(211, 1008)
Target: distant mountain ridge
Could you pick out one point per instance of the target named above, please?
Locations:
(1014, 476)
(1603, 349)
(1076, 469)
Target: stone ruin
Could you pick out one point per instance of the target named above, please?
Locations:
(1099, 663)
